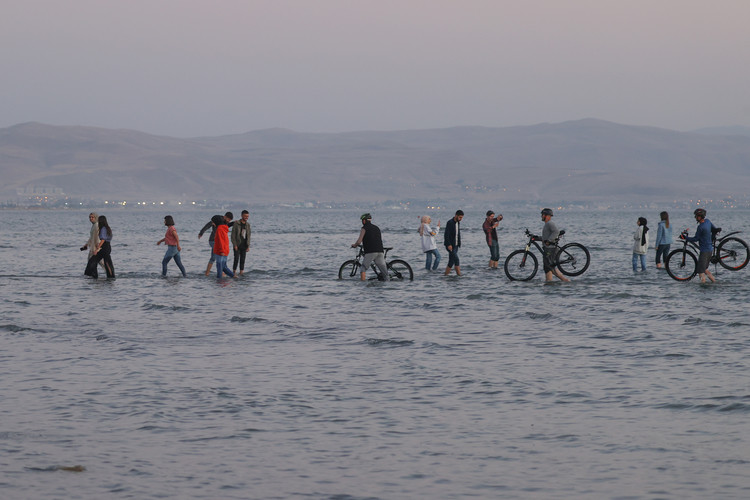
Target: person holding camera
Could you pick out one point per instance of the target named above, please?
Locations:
(490, 232)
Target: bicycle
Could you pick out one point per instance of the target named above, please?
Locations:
(729, 251)
(398, 270)
(572, 259)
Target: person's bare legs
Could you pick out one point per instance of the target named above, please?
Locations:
(555, 272)
(208, 268)
(458, 270)
(710, 276)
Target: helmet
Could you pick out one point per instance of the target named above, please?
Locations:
(547, 211)
(700, 212)
(365, 217)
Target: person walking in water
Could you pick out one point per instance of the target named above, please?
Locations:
(550, 233)
(241, 241)
(663, 239)
(102, 252)
(221, 247)
(704, 236)
(490, 232)
(173, 247)
(640, 244)
(212, 225)
(372, 244)
(452, 242)
(93, 241)
(429, 247)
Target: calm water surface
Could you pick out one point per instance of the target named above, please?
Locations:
(289, 383)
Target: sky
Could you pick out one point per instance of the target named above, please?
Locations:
(188, 68)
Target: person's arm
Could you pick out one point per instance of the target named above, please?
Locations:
(235, 237)
(99, 246)
(359, 240)
(177, 239)
(205, 228)
(247, 249)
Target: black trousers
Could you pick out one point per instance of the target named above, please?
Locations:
(103, 254)
(239, 256)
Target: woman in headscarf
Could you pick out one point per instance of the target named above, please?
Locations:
(428, 242)
(640, 244)
(102, 251)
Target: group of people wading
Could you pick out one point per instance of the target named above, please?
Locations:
(452, 242)
(100, 237)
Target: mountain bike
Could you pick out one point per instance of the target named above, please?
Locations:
(398, 270)
(729, 251)
(572, 259)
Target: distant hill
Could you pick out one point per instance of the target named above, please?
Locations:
(584, 160)
(732, 130)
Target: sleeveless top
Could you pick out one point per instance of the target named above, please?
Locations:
(373, 241)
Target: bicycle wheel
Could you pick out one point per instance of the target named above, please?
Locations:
(733, 254)
(521, 265)
(573, 259)
(349, 270)
(681, 264)
(399, 270)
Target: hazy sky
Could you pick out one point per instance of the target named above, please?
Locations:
(211, 67)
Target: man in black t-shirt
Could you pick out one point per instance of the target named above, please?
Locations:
(372, 244)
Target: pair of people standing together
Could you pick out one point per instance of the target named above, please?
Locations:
(99, 247)
(641, 238)
(219, 241)
(451, 241)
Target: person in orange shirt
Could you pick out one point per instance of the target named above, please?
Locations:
(221, 247)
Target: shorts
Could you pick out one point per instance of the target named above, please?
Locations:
(703, 259)
(549, 259)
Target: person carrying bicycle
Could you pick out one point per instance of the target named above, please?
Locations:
(550, 233)
(704, 237)
(372, 244)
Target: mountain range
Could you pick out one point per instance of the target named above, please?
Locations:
(584, 160)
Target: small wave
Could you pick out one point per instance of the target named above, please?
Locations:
(254, 319)
(55, 468)
(159, 307)
(533, 315)
(723, 407)
(388, 342)
(691, 320)
(14, 328)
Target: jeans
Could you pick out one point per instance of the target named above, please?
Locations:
(429, 254)
(662, 251)
(636, 258)
(221, 266)
(495, 251)
(453, 257)
(213, 255)
(172, 252)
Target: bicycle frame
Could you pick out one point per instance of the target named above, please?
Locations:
(358, 259)
(715, 244)
(533, 240)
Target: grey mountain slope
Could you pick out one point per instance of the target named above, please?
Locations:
(581, 160)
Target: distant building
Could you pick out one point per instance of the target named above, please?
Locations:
(34, 191)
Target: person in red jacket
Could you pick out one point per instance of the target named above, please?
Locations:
(221, 247)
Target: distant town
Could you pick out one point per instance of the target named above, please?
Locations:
(54, 198)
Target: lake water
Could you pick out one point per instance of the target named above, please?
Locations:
(288, 383)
